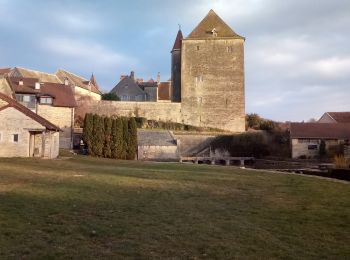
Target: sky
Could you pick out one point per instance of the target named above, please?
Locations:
(297, 52)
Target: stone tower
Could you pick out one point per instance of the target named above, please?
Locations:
(176, 68)
(212, 76)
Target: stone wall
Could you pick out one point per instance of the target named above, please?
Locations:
(212, 83)
(61, 117)
(151, 110)
(150, 152)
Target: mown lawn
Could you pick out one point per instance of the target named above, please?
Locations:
(86, 208)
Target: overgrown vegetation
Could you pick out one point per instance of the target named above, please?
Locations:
(274, 143)
(155, 124)
(342, 162)
(254, 121)
(110, 137)
(110, 96)
(246, 144)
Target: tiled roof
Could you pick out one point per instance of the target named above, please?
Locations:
(4, 71)
(27, 73)
(127, 86)
(340, 117)
(164, 90)
(62, 94)
(78, 81)
(320, 130)
(13, 103)
(178, 41)
(208, 24)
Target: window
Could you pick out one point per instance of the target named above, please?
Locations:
(46, 100)
(0, 137)
(197, 47)
(26, 98)
(15, 138)
(229, 49)
(312, 141)
(312, 147)
(28, 101)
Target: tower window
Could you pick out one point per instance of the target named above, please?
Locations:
(229, 49)
(197, 47)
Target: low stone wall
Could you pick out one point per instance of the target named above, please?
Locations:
(151, 152)
(190, 145)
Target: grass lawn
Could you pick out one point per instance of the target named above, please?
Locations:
(87, 208)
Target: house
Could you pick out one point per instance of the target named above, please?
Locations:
(81, 86)
(306, 138)
(53, 101)
(130, 89)
(5, 87)
(335, 117)
(24, 133)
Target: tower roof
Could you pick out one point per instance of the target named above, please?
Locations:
(93, 81)
(177, 43)
(213, 25)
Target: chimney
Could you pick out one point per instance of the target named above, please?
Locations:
(66, 81)
(37, 85)
(158, 77)
(20, 82)
(132, 75)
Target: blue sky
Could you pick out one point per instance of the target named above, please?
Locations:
(297, 55)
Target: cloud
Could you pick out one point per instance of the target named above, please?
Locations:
(84, 52)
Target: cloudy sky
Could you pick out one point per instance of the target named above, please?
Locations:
(297, 51)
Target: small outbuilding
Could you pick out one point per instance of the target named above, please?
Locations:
(157, 146)
(306, 138)
(24, 133)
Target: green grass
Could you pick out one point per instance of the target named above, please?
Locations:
(87, 208)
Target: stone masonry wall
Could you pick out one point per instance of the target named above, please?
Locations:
(151, 110)
(61, 117)
(212, 83)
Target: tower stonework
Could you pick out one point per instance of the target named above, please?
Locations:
(212, 76)
(176, 68)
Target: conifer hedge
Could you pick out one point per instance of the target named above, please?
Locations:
(110, 138)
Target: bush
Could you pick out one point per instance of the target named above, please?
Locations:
(267, 125)
(242, 145)
(110, 96)
(132, 139)
(107, 151)
(341, 162)
(88, 132)
(98, 136)
(253, 121)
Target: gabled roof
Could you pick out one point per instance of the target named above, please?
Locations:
(62, 94)
(127, 86)
(4, 71)
(13, 103)
(320, 130)
(178, 41)
(212, 22)
(28, 73)
(78, 81)
(340, 117)
(93, 81)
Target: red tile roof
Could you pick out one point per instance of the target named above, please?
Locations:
(13, 103)
(178, 41)
(340, 117)
(320, 130)
(62, 94)
(4, 71)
